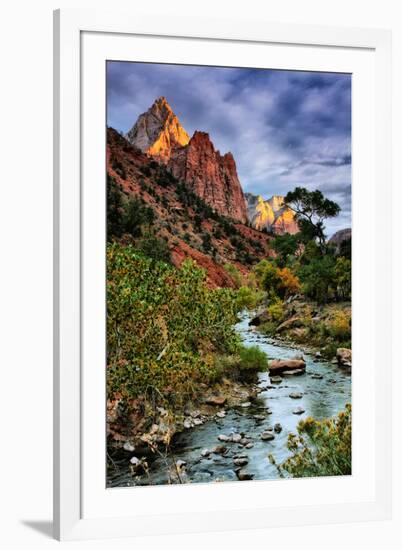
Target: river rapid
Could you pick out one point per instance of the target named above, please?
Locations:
(325, 389)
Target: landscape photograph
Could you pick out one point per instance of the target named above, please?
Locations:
(228, 274)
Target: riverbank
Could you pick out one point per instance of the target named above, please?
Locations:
(306, 325)
(211, 448)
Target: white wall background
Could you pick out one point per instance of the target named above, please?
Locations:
(26, 269)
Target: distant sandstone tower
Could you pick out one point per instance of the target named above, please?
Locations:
(271, 214)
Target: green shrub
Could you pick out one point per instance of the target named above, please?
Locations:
(154, 248)
(321, 448)
(252, 359)
(248, 298)
(235, 274)
(276, 311)
(163, 327)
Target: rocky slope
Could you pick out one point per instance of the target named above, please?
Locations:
(272, 214)
(191, 228)
(212, 176)
(340, 236)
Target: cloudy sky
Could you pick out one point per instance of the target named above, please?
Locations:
(284, 128)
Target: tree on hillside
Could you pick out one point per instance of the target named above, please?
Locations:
(311, 208)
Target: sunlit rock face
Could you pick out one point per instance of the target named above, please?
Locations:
(272, 214)
(212, 176)
(158, 132)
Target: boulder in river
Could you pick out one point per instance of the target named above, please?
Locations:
(223, 437)
(267, 436)
(298, 410)
(261, 317)
(277, 428)
(295, 395)
(344, 357)
(240, 461)
(278, 366)
(276, 379)
(216, 400)
(220, 450)
(243, 475)
(295, 372)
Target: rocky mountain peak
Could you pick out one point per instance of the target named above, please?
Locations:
(271, 214)
(158, 131)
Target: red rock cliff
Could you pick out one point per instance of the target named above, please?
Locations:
(213, 177)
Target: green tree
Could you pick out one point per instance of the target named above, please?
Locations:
(318, 278)
(136, 215)
(311, 208)
(343, 277)
(285, 246)
(114, 209)
(154, 248)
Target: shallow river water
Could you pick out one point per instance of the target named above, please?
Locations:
(322, 398)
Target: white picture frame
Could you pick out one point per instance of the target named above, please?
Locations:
(83, 508)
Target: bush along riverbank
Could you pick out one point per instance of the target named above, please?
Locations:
(173, 356)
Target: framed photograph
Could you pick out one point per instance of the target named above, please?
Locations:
(210, 178)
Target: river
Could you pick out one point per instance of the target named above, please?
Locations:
(325, 390)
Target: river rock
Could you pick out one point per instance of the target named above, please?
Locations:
(277, 428)
(235, 438)
(344, 357)
(295, 372)
(243, 475)
(220, 450)
(246, 404)
(318, 355)
(267, 436)
(205, 453)
(275, 379)
(278, 366)
(216, 400)
(128, 446)
(292, 322)
(317, 376)
(187, 423)
(261, 317)
(240, 461)
(295, 395)
(221, 414)
(298, 410)
(135, 461)
(224, 438)
(249, 445)
(259, 417)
